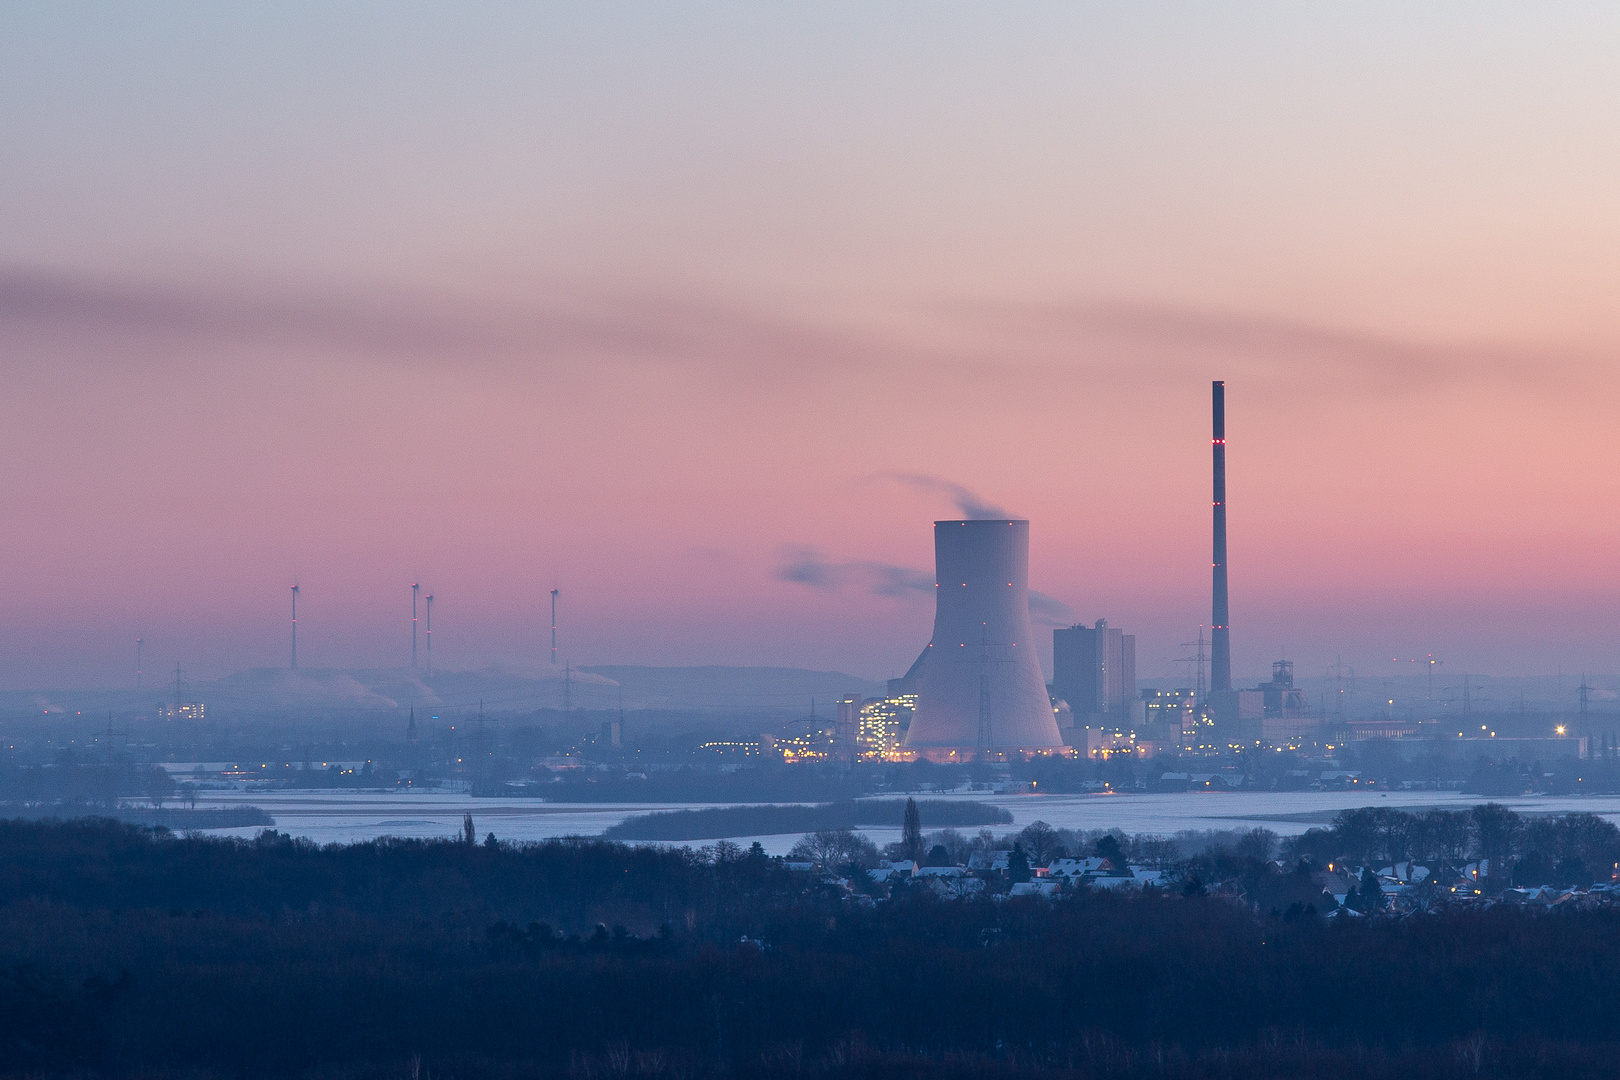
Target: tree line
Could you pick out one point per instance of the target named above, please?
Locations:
(1583, 843)
(768, 819)
(136, 953)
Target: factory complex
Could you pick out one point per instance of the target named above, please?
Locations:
(976, 691)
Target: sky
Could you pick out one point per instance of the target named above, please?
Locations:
(660, 305)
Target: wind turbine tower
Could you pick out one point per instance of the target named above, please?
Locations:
(430, 634)
(554, 593)
(415, 589)
(295, 628)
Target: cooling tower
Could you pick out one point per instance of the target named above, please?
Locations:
(980, 687)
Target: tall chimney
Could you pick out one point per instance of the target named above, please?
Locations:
(1220, 631)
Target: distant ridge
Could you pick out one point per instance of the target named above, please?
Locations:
(717, 687)
(279, 690)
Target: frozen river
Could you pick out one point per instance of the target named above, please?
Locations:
(328, 817)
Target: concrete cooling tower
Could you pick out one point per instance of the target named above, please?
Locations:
(980, 688)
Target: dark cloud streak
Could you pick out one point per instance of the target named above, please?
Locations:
(1049, 610)
(807, 566)
(803, 565)
(747, 345)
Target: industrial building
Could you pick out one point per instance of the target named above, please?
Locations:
(1094, 670)
(1466, 750)
(980, 691)
(1170, 717)
(1286, 718)
(883, 723)
(1094, 691)
(1275, 713)
(846, 728)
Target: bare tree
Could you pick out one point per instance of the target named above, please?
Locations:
(1446, 833)
(159, 786)
(1358, 833)
(1257, 844)
(1394, 832)
(911, 838)
(1159, 851)
(958, 848)
(1589, 838)
(1496, 829)
(835, 849)
(1040, 842)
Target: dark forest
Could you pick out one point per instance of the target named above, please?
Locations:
(132, 952)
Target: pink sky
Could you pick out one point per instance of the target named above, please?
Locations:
(640, 302)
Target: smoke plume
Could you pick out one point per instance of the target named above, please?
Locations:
(967, 502)
(807, 566)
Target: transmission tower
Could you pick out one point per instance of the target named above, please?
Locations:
(1586, 729)
(110, 735)
(480, 744)
(986, 740)
(1200, 657)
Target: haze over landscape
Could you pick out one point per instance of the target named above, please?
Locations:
(671, 308)
(718, 541)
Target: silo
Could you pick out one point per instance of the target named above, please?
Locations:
(980, 688)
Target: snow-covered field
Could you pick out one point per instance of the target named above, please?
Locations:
(327, 817)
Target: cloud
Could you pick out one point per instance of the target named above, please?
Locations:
(1049, 610)
(807, 566)
(1171, 341)
(560, 326)
(969, 504)
(898, 581)
(747, 343)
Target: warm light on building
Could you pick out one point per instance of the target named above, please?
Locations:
(882, 723)
(745, 749)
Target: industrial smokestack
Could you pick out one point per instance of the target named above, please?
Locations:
(980, 690)
(1220, 631)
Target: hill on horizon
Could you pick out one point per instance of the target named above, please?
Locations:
(497, 690)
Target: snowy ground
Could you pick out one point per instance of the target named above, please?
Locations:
(327, 816)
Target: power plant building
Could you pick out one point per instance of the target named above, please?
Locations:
(1094, 670)
(882, 726)
(1170, 717)
(846, 728)
(980, 691)
(1286, 716)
